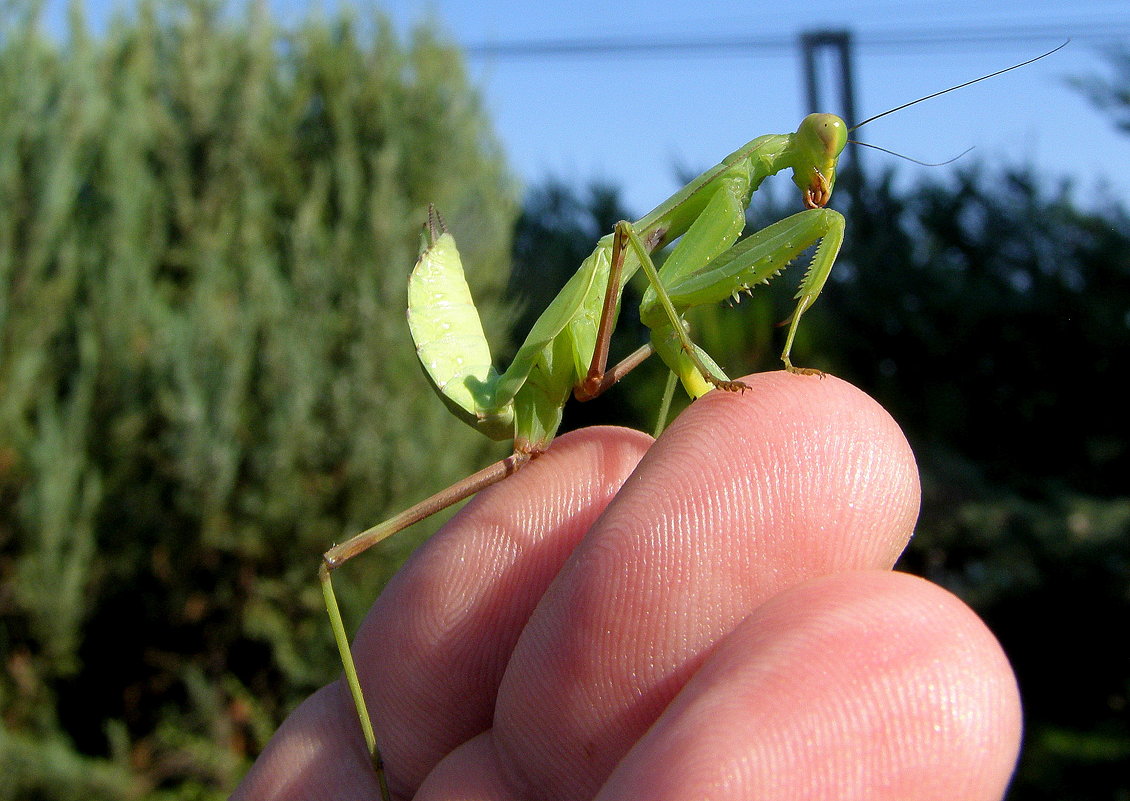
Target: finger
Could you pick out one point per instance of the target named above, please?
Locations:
(742, 498)
(314, 755)
(434, 647)
(862, 685)
(469, 773)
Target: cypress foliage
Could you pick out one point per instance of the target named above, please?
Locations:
(205, 373)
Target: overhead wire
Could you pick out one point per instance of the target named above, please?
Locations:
(605, 47)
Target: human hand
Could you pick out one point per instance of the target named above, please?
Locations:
(730, 628)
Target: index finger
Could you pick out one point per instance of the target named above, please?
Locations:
(743, 497)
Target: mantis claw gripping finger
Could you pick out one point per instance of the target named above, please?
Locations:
(729, 386)
(806, 371)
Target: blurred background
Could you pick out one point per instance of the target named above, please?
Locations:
(207, 216)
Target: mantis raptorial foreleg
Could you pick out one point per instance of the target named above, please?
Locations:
(761, 256)
(566, 351)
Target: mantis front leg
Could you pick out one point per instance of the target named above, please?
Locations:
(752, 261)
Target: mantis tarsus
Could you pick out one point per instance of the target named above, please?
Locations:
(566, 351)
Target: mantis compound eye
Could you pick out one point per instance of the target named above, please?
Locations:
(829, 130)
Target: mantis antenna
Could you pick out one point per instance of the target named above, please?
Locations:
(955, 88)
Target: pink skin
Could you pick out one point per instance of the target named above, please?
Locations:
(728, 628)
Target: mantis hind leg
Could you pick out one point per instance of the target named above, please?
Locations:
(351, 680)
(340, 554)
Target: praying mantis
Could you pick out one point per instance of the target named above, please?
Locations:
(566, 350)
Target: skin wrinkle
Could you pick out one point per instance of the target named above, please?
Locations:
(883, 690)
(736, 489)
(768, 487)
(460, 587)
(573, 634)
(483, 562)
(671, 634)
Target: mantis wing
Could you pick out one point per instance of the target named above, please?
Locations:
(449, 339)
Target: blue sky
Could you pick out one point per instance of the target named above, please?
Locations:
(633, 119)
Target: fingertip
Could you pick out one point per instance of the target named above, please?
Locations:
(313, 755)
(472, 772)
(791, 414)
(812, 466)
(862, 685)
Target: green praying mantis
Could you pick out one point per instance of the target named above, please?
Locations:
(566, 350)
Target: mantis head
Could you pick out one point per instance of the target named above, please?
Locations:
(818, 143)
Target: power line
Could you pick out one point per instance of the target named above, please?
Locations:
(1112, 34)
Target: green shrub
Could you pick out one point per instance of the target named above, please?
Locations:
(205, 372)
